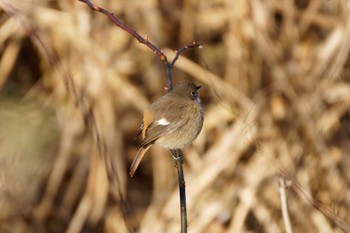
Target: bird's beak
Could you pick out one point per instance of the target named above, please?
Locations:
(197, 87)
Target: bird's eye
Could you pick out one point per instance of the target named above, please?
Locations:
(194, 94)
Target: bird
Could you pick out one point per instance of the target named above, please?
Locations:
(172, 121)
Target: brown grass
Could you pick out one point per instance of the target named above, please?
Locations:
(277, 98)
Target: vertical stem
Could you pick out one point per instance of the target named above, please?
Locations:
(170, 76)
(177, 156)
(284, 206)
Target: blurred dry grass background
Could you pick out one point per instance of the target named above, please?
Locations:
(276, 77)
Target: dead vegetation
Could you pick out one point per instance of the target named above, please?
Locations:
(277, 99)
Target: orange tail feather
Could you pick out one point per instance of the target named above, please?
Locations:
(138, 159)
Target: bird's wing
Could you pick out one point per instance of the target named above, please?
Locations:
(157, 130)
(166, 123)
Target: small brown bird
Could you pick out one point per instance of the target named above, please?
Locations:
(173, 121)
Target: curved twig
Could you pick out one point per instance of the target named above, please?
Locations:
(145, 41)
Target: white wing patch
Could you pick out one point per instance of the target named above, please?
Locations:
(163, 121)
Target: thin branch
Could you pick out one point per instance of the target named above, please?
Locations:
(171, 65)
(126, 28)
(177, 156)
(282, 189)
(178, 53)
(145, 41)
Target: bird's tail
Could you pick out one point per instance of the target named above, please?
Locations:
(138, 159)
